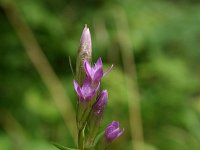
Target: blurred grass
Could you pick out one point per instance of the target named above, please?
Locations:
(164, 38)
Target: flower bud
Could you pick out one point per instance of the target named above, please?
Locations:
(113, 131)
(95, 118)
(84, 52)
(98, 107)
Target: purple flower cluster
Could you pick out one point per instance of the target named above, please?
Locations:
(89, 89)
(91, 102)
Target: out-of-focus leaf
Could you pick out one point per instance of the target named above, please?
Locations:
(63, 147)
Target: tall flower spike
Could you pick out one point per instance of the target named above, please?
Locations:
(95, 73)
(87, 91)
(113, 131)
(84, 52)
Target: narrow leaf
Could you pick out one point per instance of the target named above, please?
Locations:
(98, 138)
(63, 147)
(70, 64)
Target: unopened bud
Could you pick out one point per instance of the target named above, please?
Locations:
(84, 52)
(113, 131)
(99, 106)
(95, 118)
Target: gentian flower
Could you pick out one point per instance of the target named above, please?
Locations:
(95, 73)
(113, 131)
(87, 91)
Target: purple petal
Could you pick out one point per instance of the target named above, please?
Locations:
(112, 135)
(75, 85)
(101, 101)
(78, 89)
(115, 124)
(109, 129)
(81, 96)
(98, 70)
(86, 84)
(98, 64)
(89, 89)
(98, 74)
(119, 134)
(87, 68)
(90, 96)
(102, 98)
(91, 92)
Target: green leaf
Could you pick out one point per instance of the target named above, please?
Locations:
(63, 147)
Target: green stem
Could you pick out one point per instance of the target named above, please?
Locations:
(80, 140)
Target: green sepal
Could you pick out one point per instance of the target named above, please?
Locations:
(98, 143)
(98, 138)
(63, 147)
(81, 137)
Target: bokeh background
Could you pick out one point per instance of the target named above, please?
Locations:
(154, 88)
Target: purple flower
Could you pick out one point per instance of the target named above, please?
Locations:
(87, 91)
(113, 131)
(95, 73)
(98, 107)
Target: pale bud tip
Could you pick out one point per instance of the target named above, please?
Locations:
(86, 39)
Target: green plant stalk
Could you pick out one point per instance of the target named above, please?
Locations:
(84, 52)
(80, 140)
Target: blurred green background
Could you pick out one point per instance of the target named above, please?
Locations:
(154, 88)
